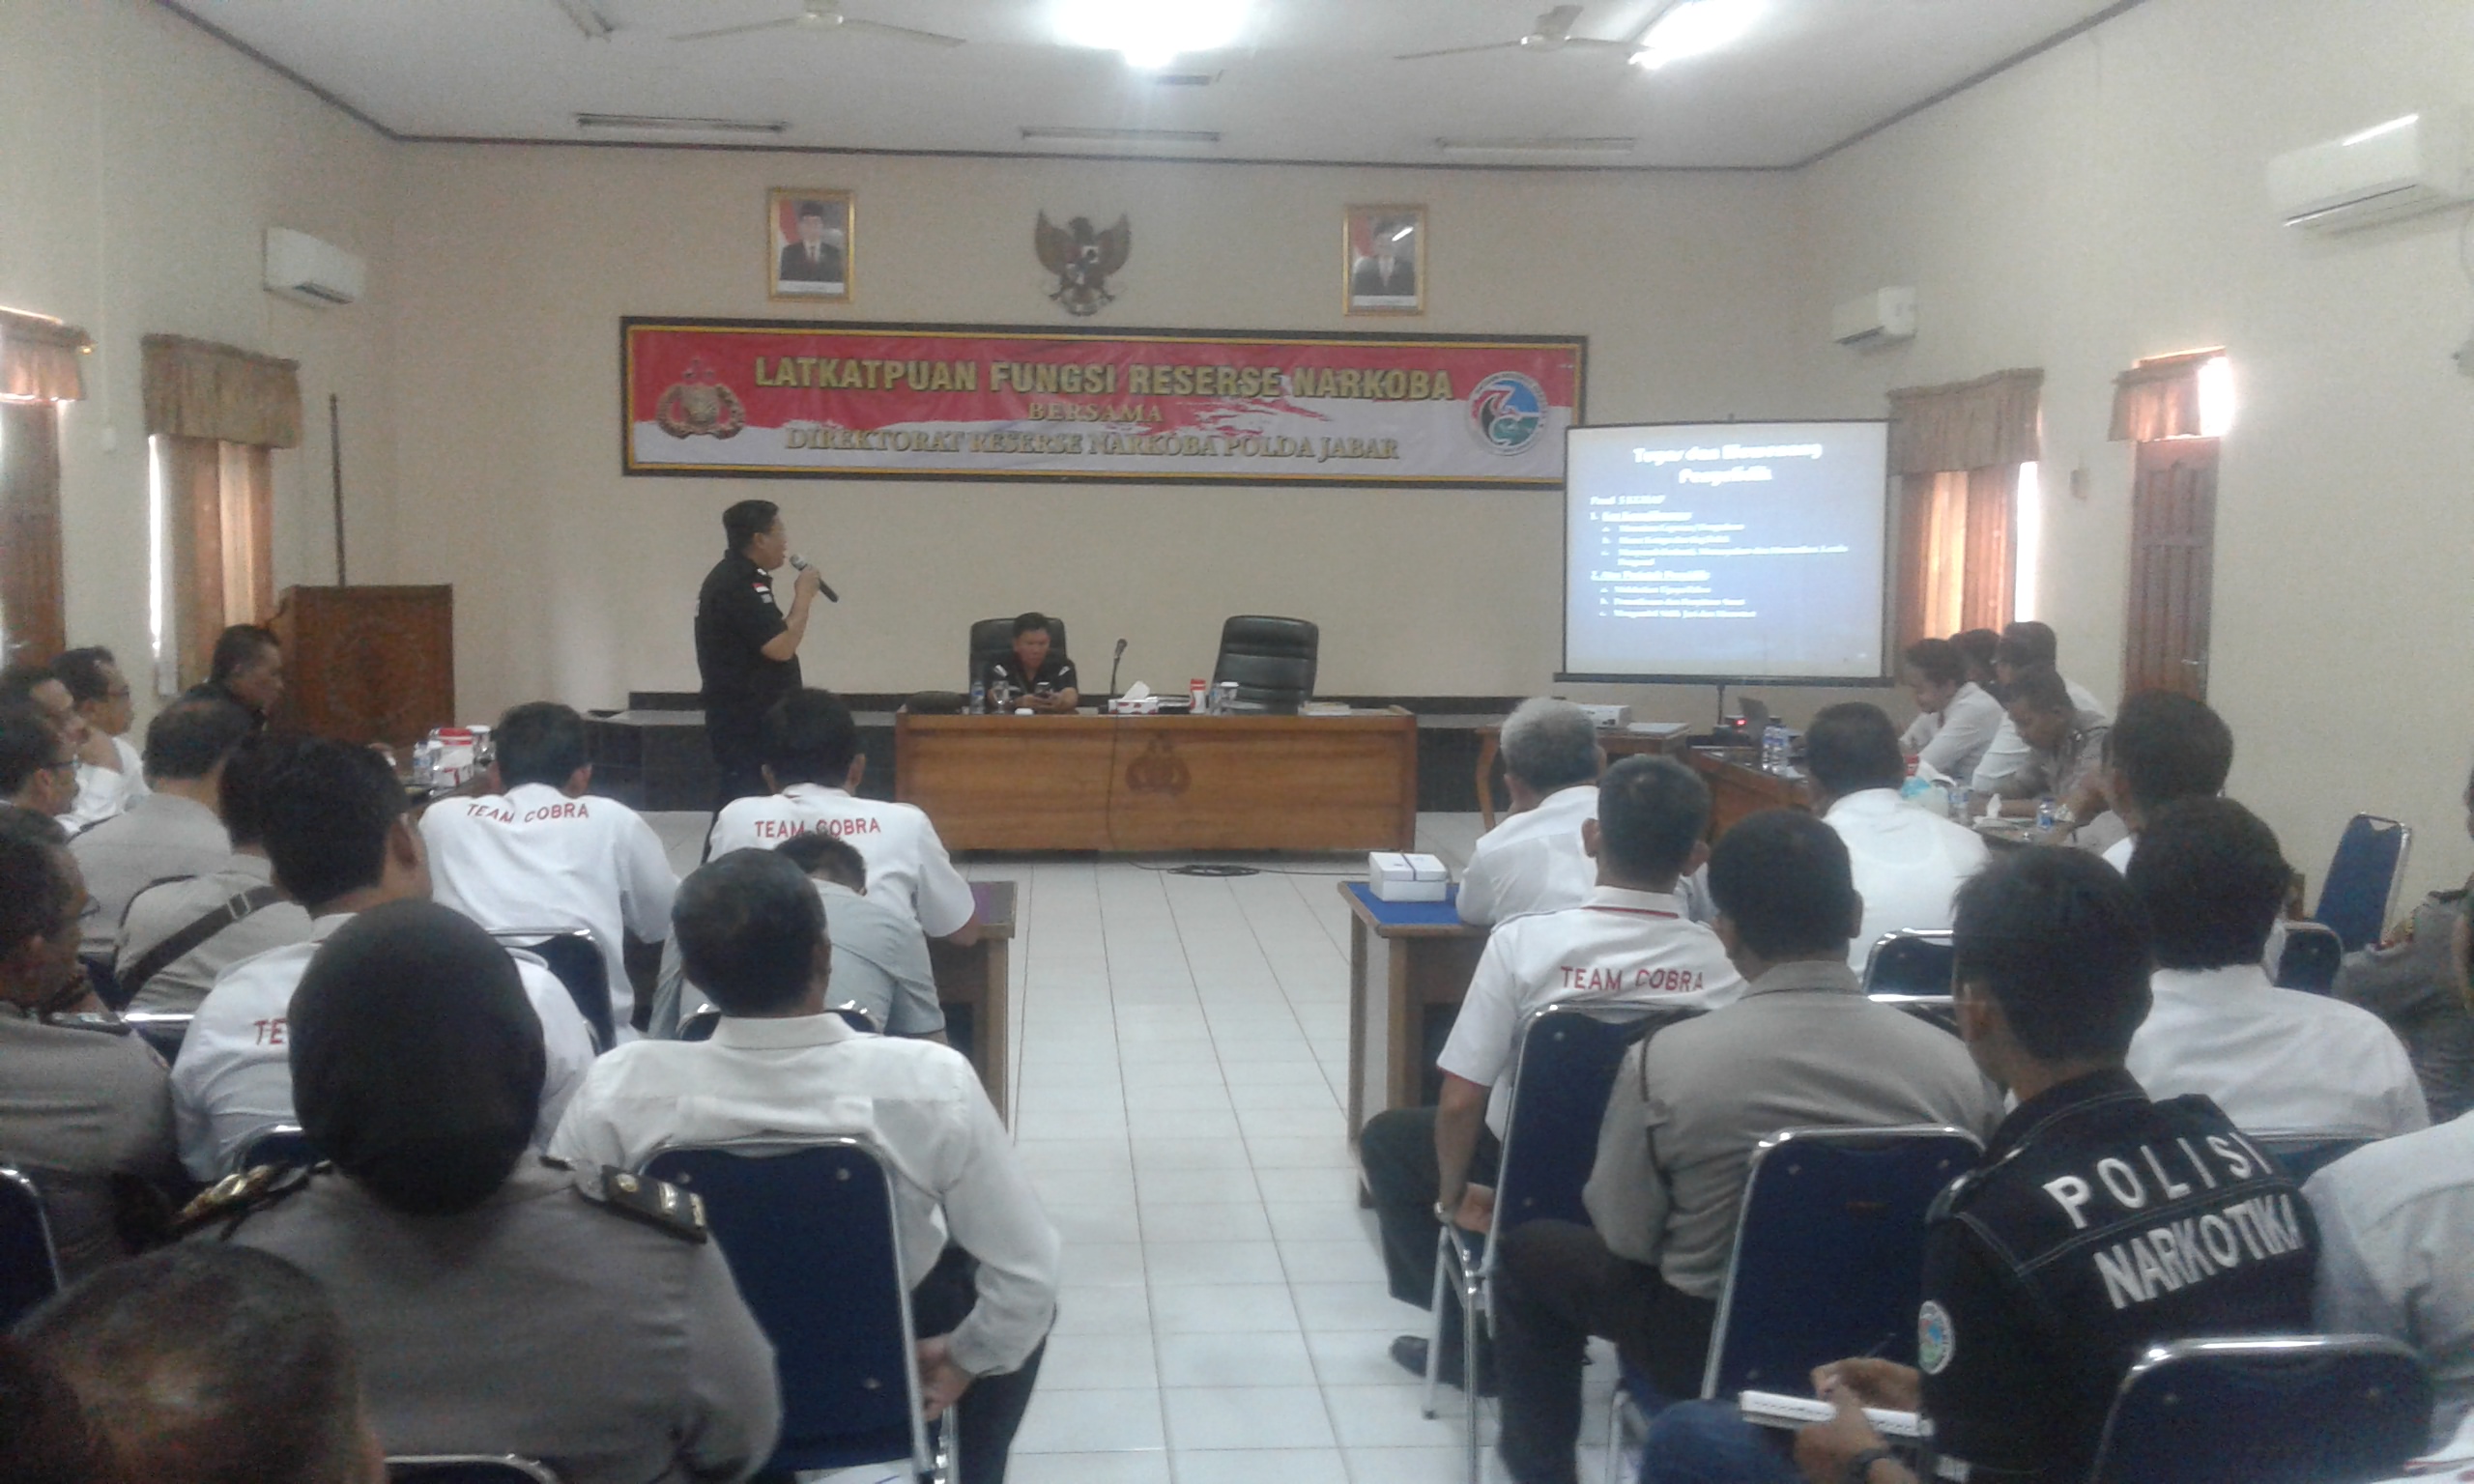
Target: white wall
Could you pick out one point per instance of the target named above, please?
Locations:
(2106, 202)
(143, 161)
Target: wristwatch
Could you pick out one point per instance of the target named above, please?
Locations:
(1859, 1469)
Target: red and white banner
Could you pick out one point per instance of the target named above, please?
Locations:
(768, 398)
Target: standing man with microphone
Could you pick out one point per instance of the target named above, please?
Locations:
(747, 650)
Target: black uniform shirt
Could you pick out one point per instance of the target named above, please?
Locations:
(2098, 1223)
(1056, 672)
(734, 621)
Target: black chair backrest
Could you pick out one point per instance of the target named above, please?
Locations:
(2305, 1409)
(29, 1269)
(472, 1468)
(277, 1144)
(1271, 658)
(2305, 1156)
(1563, 1071)
(573, 956)
(993, 638)
(1910, 963)
(2313, 954)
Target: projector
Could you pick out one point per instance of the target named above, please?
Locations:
(1609, 718)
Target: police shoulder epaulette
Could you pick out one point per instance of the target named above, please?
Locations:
(655, 1202)
(235, 1198)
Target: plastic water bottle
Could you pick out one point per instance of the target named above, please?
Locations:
(979, 697)
(1962, 802)
(1773, 747)
(2044, 817)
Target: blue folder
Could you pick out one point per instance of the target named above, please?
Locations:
(1410, 914)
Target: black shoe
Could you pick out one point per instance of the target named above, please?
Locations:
(1409, 1354)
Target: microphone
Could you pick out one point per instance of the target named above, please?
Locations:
(800, 563)
(1116, 660)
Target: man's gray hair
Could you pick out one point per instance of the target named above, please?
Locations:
(1550, 744)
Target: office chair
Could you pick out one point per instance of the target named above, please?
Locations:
(1913, 962)
(993, 638)
(2304, 1410)
(29, 1265)
(282, 1143)
(576, 959)
(2363, 876)
(1271, 658)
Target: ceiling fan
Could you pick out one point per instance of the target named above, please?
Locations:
(1554, 33)
(822, 17)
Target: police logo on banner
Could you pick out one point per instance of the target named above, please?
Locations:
(1507, 410)
(1936, 1341)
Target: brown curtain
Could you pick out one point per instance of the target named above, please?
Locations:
(1955, 555)
(219, 509)
(195, 388)
(1940, 430)
(32, 625)
(2159, 398)
(42, 360)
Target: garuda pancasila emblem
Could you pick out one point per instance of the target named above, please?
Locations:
(1082, 260)
(699, 403)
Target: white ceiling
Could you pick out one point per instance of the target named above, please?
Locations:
(1309, 79)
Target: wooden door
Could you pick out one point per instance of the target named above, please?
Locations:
(31, 623)
(2172, 565)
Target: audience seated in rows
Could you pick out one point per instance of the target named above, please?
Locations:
(500, 1302)
(1956, 719)
(811, 763)
(175, 831)
(340, 845)
(1533, 860)
(2410, 979)
(195, 1365)
(1908, 861)
(1627, 942)
(111, 773)
(2164, 746)
(2097, 1222)
(85, 1106)
(780, 1065)
(2025, 648)
(1801, 1048)
(881, 960)
(2065, 750)
(38, 765)
(538, 853)
(178, 936)
(2281, 1063)
(246, 670)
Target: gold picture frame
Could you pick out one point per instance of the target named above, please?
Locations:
(796, 270)
(1373, 280)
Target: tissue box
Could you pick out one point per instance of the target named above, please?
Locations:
(1397, 877)
(1609, 718)
(1135, 705)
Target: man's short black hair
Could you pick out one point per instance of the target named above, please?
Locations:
(1937, 660)
(748, 924)
(810, 738)
(242, 790)
(2028, 644)
(1782, 877)
(815, 209)
(210, 1362)
(2041, 688)
(327, 808)
(540, 742)
(1978, 647)
(18, 680)
(1650, 812)
(28, 745)
(829, 856)
(749, 519)
(2062, 945)
(187, 738)
(34, 890)
(2169, 745)
(1851, 747)
(238, 647)
(2213, 881)
(83, 671)
(1033, 623)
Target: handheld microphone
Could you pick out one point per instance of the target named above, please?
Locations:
(800, 563)
(1116, 660)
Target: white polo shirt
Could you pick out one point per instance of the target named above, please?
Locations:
(1909, 864)
(2394, 1221)
(234, 1076)
(1954, 739)
(1618, 947)
(2009, 753)
(2279, 1062)
(102, 792)
(907, 863)
(1532, 861)
(535, 858)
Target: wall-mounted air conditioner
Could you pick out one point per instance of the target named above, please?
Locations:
(2378, 174)
(299, 267)
(1878, 318)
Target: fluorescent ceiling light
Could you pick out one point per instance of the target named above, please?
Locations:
(1692, 28)
(1150, 32)
(1066, 133)
(1542, 144)
(663, 122)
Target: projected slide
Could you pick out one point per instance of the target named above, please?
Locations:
(1725, 551)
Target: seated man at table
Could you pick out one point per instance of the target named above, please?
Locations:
(1909, 861)
(1801, 1047)
(1037, 672)
(2164, 746)
(811, 763)
(1533, 860)
(38, 765)
(780, 1065)
(2065, 756)
(111, 774)
(2025, 648)
(1956, 719)
(1627, 942)
(2281, 1063)
(176, 830)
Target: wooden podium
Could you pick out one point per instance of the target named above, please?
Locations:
(368, 664)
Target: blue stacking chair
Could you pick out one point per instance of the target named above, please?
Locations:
(2313, 954)
(2303, 1155)
(576, 959)
(2305, 1409)
(2362, 875)
(282, 1143)
(29, 1267)
(1564, 1066)
(810, 1231)
(468, 1469)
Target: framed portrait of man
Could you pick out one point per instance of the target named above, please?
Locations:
(807, 244)
(1383, 260)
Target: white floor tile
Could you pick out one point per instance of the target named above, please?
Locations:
(1088, 1362)
(1256, 1466)
(1328, 1152)
(1270, 1359)
(1104, 1309)
(1218, 1221)
(1215, 1308)
(1111, 1223)
(1363, 1359)
(1161, 1184)
(1406, 1465)
(1090, 1421)
(1149, 1467)
(1346, 1307)
(1106, 1265)
(1388, 1417)
(1249, 1417)
(1175, 1154)
(1302, 1221)
(1184, 1264)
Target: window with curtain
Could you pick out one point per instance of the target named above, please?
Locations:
(215, 414)
(41, 367)
(1957, 452)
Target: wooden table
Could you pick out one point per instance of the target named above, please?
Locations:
(1613, 743)
(973, 987)
(1164, 782)
(1737, 787)
(1410, 963)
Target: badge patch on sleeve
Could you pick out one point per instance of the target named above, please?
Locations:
(1934, 1340)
